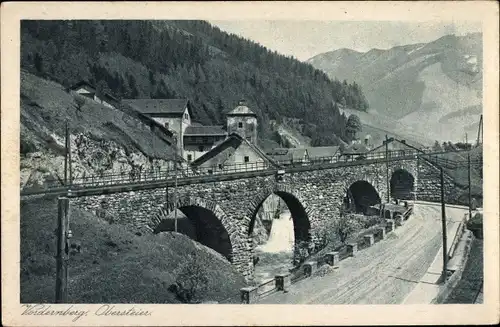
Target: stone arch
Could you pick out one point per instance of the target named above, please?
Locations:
(205, 222)
(402, 184)
(360, 193)
(294, 202)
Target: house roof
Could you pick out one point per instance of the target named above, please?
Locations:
(233, 140)
(91, 86)
(168, 107)
(356, 148)
(241, 110)
(204, 131)
(322, 151)
(283, 154)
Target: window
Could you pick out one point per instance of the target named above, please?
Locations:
(186, 116)
(166, 125)
(240, 125)
(189, 157)
(220, 166)
(247, 159)
(200, 148)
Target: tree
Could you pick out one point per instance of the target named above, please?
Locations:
(192, 281)
(353, 126)
(79, 102)
(101, 89)
(346, 225)
(38, 63)
(436, 147)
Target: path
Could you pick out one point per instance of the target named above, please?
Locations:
(382, 274)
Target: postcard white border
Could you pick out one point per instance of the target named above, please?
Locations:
(487, 12)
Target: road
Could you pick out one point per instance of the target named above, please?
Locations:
(382, 274)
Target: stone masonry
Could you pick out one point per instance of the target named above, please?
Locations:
(313, 197)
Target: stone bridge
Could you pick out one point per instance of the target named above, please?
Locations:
(222, 213)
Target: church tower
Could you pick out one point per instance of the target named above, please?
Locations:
(243, 121)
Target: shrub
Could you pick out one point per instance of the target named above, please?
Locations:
(191, 283)
(26, 147)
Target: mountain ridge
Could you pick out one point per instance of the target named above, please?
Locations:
(441, 77)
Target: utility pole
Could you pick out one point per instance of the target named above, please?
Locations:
(68, 137)
(480, 131)
(443, 222)
(66, 150)
(175, 188)
(387, 167)
(62, 250)
(470, 191)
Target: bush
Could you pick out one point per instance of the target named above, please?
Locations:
(26, 147)
(475, 225)
(191, 283)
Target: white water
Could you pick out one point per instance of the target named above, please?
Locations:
(281, 236)
(276, 254)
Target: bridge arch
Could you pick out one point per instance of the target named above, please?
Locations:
(294, 202)
(204, 222)
(360, 193)
(402, 184)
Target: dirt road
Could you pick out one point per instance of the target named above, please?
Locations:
(382, 274)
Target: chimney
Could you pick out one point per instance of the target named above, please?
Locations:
(242, 102)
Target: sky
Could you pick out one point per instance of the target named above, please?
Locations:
(305, 39)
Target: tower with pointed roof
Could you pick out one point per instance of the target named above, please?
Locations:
(243, 121)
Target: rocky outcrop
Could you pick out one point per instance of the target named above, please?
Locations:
(90, 157)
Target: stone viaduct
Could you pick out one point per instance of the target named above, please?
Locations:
(223, 212)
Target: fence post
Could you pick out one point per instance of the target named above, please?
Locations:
(248, 294)
(283, 282)
(310, 268)
(352, 248)
(332, 258)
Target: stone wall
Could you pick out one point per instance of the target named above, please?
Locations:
(313, 197)
(430, 184)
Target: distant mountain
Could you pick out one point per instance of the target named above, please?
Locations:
(434, 88)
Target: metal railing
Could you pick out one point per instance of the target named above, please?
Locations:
(151, 175)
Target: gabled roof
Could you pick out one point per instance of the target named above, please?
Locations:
(284, 154)
(356, 148)
(82, 83)
(93, 89)
(204, 131)
(322, 151)
(241, 110)
(164, 107)
(233, 140)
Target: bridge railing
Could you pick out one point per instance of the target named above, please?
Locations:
(159, 174)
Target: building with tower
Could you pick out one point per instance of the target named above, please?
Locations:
(242, 121)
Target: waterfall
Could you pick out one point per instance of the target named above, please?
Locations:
(281, 237)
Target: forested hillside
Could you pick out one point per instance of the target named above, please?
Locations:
(190, 59)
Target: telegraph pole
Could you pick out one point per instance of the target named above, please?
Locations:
(175, 189)
(68, 137)
(62, 250)
(470, 191)
(443, 222)
(387, 167)
(66, 151)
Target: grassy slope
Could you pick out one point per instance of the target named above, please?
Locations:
(45, 106)
(469, 285)
(115, 266)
